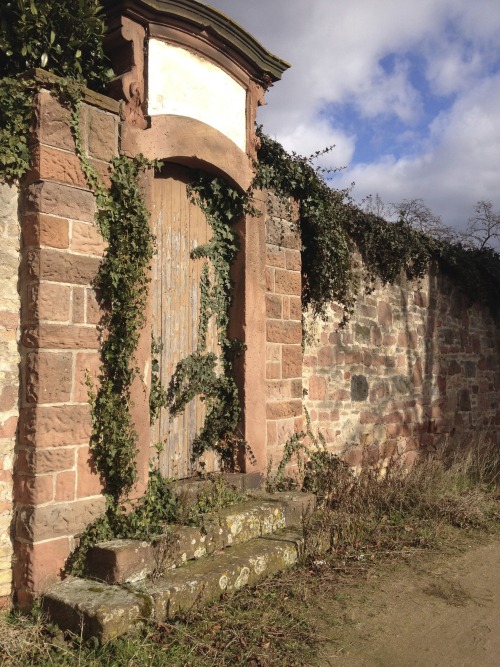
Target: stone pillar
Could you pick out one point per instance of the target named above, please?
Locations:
(283, 327)
(248, 324)
(9, 372)
(57, 490)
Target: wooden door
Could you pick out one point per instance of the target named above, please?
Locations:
(180, 226)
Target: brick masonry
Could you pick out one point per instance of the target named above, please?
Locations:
(283, 328)
(417, 363)
(57, 491)
(9, 370)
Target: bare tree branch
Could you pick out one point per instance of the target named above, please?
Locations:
(483, 228)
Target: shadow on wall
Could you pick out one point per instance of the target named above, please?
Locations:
(416, 363)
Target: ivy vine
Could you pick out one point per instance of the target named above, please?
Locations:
(203, 373)
(333, 230)
(122, 287)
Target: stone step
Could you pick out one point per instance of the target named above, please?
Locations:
(128, 561)
(88, 608)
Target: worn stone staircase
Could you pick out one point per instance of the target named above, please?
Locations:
(131, 581)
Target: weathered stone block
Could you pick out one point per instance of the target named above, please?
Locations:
(45, 230)
(42, 461)
(37, 524)
(202, 581)
(384, 314)
(274, 306)
(293, 260)
(65, 486)
(93, 609)
(34, 490)
(88, 479)
(102, 133)
(120, 561)
(275, 256)
(273, 352)
(8, 393)
(68, 268)
(295, 505)
(317, 388)
(278, 390)
(60, 200)
(39, 565)
(273, 370)
(55, 336)
(287, 282)
(283, 233)
(283, 409)
(53, 122)
(292, 361)
(86, 238)
(50, 164)
(284, 332)
(49, 302)
(8, 427)
(48, 377)
(52, 426)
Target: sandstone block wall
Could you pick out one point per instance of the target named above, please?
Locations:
(283, 328)
(416, 363)
(57, 491)
(9, 370)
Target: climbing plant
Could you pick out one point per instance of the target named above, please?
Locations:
(61, 37)
(335, 231)
(122, 286)
(203, 373)
(323, 217)
(66, 39)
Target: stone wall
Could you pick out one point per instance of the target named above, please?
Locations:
(9, 370)
(283, 328)
(416, 363)
(57, 491)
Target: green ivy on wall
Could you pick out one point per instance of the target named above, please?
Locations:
(66, 39)
(334, 229)
(122, 287)
(203, 373)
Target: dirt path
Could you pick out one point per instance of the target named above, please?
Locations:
(439, 611)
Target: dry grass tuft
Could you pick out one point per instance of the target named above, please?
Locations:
(389, 506)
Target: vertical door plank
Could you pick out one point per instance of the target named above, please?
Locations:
(180, 226)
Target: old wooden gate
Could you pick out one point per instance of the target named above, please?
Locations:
(180, 226)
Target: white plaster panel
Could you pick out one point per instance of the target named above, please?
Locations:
(184, 84)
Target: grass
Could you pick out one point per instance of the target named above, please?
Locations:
(383, 511)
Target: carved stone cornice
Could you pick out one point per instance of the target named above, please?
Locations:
(208, 24)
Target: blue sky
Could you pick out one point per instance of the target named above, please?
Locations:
(409, 92)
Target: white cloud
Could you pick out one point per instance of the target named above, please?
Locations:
(307, 138)
(336, 50)
(459, 166)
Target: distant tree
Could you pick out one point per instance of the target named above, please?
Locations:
(482, 231)
(376, 206)
(483, 228)
(413, 212)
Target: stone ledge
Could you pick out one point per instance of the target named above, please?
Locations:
(127, 561)
(83, 607)
(87, 608)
